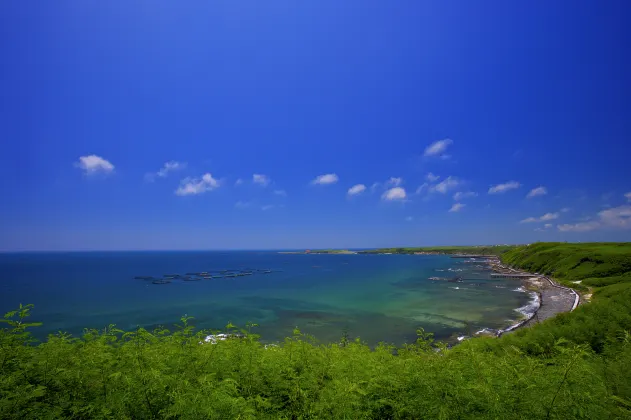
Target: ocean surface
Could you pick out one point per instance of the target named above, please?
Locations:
(374, 297)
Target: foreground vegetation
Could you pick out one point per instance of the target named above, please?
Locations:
(576, 365)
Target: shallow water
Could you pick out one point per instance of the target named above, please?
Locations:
(375, 297)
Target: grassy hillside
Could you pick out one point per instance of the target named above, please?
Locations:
(576, 365)
(594, 264)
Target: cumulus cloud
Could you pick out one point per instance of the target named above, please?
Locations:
(170, 166)
(282, 193)
(616, 218)
(537, 191)
(461, 195)
(456, 207)
(579, 227)
(502, 188)
(395, 182)
(549, 216)
(194, 186)
(394, 194)
(325, 179)
(545, 218)
(93, 164)
(565, 209)
(547, 225)
(445, 185)
(431, 177)
(238, 182)
(437, 148)
(356, 189)
(628, 196)
(260, 179)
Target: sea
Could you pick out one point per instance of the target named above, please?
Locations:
(378, 298)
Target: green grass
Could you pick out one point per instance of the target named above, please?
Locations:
(575, 365)
(594, 264)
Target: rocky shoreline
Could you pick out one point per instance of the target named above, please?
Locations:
(549, 297)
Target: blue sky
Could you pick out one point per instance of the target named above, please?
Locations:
(176, 125)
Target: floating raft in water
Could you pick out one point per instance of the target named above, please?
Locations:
(161, 281)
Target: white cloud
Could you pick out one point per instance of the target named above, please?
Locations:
(628, 196)
(547, 225)
(421, 188)
(193, 186)
(395, 182)
(282, 193)
(579, 227)
(431, 177)
(461, 195)
(267, 207)
(356, 189)
(238, 182)
(549, 216)
(93, 164)
(260, 179)
(545, 218)
(529, 220)
(445, 185)
(409, 219)
(617, 218)
(502, 188)
(394, 194)
(437, 148)
(242, 204)
(456, 207)
(565, 209)
(325, 179)
(170, 166)
(537, 191)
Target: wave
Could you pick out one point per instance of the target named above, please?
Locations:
(520, 289)
(531, 307)
(485, 330)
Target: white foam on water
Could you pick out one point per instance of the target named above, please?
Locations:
(455, 288)
(520, 289)
(462, 337)
(531, 307)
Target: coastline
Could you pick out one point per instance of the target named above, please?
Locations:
(549, 297)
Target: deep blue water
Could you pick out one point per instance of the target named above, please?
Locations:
(376, 297)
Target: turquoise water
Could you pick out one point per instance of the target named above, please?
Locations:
(375, 297)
